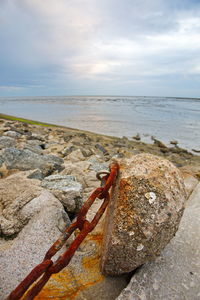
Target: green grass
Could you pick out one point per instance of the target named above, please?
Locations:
(13, 118)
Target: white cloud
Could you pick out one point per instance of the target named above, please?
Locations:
(127, 41)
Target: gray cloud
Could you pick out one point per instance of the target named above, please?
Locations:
(89, 46)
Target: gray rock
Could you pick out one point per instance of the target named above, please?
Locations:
(13, 134)
(16, 191)
(176, 273)
(36, 136)
(66, 189)
(68, 150)
(97, 164)
(144, 213)
(19, 256)
(87, 152)
(6, 142)
(137, 137)
(75, 156)
(34, 148)
(101, 149)
(28, 160)
(36, 174)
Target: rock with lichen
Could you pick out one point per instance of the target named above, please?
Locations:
(146, 206)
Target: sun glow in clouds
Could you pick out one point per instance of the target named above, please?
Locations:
(109, 45)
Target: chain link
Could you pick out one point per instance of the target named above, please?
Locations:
(48, 267)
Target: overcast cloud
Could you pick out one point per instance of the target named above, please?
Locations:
(130, 47)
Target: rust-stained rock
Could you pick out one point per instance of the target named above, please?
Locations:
(146, 206)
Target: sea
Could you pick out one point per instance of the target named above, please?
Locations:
(165, 118)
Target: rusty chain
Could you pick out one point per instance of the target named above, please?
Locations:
(47, 267)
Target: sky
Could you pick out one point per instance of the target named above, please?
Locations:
(100, 47)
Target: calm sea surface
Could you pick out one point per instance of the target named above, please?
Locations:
(165, 118)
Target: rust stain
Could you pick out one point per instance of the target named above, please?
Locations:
(69, 283)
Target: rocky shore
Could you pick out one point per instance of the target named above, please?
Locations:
(47, 172)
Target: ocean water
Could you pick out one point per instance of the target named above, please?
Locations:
(163, 117)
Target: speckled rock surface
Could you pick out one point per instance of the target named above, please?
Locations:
(27, 249)
(144, 213)
(28, 160)
(6, 141)
(176, 273)
(66, 189)
(16, 192)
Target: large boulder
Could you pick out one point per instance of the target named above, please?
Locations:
(146, 206)
(176, 273)
(28, 160)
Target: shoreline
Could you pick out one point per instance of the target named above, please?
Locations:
(110, 146)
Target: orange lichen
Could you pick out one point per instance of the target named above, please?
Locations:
(71, 281)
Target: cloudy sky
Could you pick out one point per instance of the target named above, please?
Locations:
(100, 47)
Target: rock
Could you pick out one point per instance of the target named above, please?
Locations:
(34, 148)
(195, 150)
(144, 213)
(87, 152)
(75, 156)
(97, 164)
(20, 255)
(67, 137)
(80, 170)
(6, 142)
(68, 150)
(174, 143)
(13, 134)
(36, 174)
(36, 136)
(176, 273)
(16, 191)
(102, 149)
(179, 150)
(28, 160)
(66, 189)
(158, 143)
(137, 137)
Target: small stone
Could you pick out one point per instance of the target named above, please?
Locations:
(137, 137)
(174, 142)
(68, 150)
(37, 174)
(158, 143)
(66, 189)
(75, 156)
(101, 148)
(36, 136)
(87, 152)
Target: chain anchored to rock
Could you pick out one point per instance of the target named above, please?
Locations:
(47, 267)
